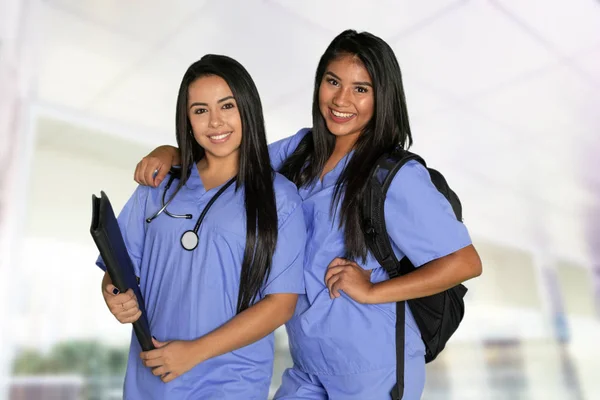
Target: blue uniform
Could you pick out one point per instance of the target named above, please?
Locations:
(343, 350)
(190, 293)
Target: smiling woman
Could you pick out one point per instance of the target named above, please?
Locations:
(213, 305)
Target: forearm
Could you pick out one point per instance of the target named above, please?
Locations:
(171, 150)
(429, 279)
(247, 327)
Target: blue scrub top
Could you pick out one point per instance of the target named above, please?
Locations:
(340, 336)
(190, 293)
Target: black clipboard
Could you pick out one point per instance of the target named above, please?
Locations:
(109, 240)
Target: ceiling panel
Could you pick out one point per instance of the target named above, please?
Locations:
(143, 20)
(501, 215)
(147, 96)
(461, 139)
(589, 62)
(471, 49)
(459, 136)
(386, 18)
(422, 100)
(78, 59)
(556, 106)
(567, 26)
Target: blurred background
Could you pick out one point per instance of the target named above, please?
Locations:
(503, 97)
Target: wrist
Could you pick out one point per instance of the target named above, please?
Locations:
(199, 350)
(172, 152)
(372, 294)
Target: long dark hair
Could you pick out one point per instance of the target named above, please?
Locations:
(255, 172)
(388, 128)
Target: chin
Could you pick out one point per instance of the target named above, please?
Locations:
(221, 152)
(337, 130)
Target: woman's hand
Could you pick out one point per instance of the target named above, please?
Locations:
(123, 306)
(350, 277)
(153, 168)
(170, 359)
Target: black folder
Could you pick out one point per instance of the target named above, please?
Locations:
(109, 240)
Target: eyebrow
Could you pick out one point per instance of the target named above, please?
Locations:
(206, 105)
(354, 83)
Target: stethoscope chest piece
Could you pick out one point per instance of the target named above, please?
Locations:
(189, 240)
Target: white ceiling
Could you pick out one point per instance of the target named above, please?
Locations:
(503, 94)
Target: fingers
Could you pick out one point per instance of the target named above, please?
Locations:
(338, 261)
(333, 284)
(155, 362)
(130, 320)
(331, 272)
(336, 287)
(119, 299)
(137, 174)
(151, 355)
(161, 174)
(334, 274)
(158, 361)
(158, 344)
(130, 304)
(113, 292)
(152, 166)
(168, 377)
(150, 171)
(110, 290)
(159, 371)
(124, 306)
(165, 375)
(144, 171)
(124, 313)
(147, 168)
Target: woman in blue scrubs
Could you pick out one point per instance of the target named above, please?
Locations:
(212, 306)
(342, 334)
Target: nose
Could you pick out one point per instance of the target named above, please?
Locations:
(342, 97)
(215, 120)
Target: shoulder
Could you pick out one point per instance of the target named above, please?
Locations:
(414, 170)
(286, 196)
(411, 176)
(289, 143)
(413, 191)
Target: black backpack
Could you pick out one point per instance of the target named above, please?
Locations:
(437, 316)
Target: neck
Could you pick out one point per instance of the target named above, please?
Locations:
(216, 171)
(344, 144)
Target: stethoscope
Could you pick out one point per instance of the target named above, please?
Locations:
(189, 239)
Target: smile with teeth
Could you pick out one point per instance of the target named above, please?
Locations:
(219, 137)
(341, 115)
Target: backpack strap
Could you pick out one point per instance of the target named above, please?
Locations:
(379, 243)
(374, 227)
